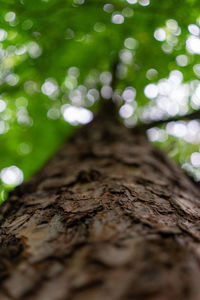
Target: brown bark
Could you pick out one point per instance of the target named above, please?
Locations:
(109, 217)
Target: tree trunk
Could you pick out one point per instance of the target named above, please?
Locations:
(109, 217)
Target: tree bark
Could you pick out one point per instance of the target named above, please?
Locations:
(109, 217)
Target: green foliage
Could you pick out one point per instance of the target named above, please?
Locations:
(58, 54)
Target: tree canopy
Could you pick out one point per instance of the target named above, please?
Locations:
(58, 58)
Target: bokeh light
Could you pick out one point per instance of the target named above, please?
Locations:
(76, 115)
(12, 175)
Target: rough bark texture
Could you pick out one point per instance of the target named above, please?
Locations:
(109, 217)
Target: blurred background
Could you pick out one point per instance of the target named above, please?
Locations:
(56, 62)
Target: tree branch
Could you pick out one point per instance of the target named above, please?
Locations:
(191, 116)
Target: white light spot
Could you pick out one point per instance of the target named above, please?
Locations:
(196, 69)
(121, 71)
(70, 82)
(3, 35)
(195, 159)
(21, 50)
(172, 40)
(167, 48)
(130, 43)
(34, 49)
(193, 127)
(93, 95)
(105, 78)
(126, 56)
(12, 175)
(153, 134)
(129, 94)
(151, 74)
(23, 117)
(2, 127)
(106, 92)
(195, 100)
(76, 115)
(108, 8)
(194, 29)
(176, 77)
(12, 79)
(10, 16)
(117, 18)
(180, 93)
(132, 1)
(172, 108)
(177, 129)
(151, 91)
(164, 87)
(2, 105)
(182, 60)
(193, 44)
(49, 87)
(74, 71)
(160, 34)
(144, 2)
(126, 111)
(155, 113)
(76, 97)
(172, 25)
